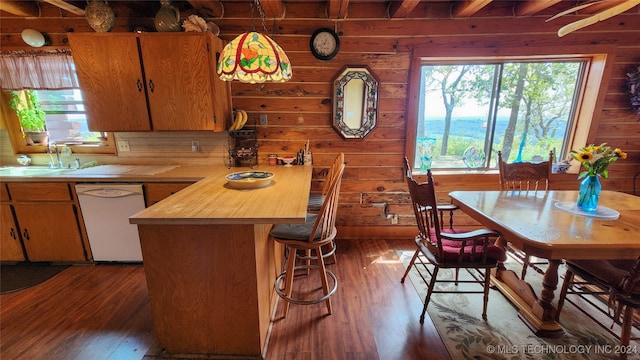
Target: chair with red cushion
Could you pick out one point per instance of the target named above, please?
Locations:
(448, 248)
(619, 280)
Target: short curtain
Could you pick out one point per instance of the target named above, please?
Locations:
(37, 69)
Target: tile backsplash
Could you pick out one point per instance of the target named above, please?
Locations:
(146, 148)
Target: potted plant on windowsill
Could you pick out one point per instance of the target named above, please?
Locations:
(31, 116)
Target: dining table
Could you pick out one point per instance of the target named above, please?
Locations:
(547, 224)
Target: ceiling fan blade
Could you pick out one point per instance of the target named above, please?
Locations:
(575, 8)
(603, 15)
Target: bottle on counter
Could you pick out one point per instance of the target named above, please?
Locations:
(308, 158)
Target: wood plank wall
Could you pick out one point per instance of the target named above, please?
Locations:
(373, 192)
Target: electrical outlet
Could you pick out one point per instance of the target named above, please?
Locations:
(123, 146)
(195, 146)
(263, 119)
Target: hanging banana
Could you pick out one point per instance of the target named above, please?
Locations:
(237, 121)
(245, 117)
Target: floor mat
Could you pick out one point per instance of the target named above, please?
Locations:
(22, 276)
(457, 318)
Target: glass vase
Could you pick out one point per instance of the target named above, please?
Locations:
(426, 147)
(589, 193)
(100, 16)
(167, 18)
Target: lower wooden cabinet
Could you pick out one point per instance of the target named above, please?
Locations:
(155, 192)
(46, 220)
(10, 245)
(50, 232)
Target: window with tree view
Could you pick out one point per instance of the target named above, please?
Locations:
(65, 116)
(469, 112)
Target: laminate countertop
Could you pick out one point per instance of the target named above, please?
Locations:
(118, 173)
(212, 201)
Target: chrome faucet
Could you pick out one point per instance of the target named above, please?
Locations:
(55, 146)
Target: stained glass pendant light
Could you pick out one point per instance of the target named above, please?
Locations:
(253, 58)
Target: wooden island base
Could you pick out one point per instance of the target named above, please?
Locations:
(211, 287)
(211, 265)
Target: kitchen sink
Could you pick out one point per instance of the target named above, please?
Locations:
(29, 171)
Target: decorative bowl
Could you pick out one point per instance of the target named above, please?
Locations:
(560, 168)
(288, 160)
(24, 160)
(249, 179)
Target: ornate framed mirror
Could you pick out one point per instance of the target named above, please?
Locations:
(355, 102)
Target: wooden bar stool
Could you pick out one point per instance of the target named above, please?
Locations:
(318, 231)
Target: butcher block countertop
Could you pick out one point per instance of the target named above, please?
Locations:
(212, 201)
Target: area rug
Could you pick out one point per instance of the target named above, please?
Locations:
(22, 276)
(458, 320)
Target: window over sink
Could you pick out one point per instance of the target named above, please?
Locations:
(46, 79)
(66, 123)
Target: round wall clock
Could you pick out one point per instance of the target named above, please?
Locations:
(324, 44)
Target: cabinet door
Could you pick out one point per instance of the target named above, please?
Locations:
(10, 247)
(50, 231)
(179, 81)
(111, 79)
(157, 191)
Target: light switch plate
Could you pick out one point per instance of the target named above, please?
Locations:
(263, 119)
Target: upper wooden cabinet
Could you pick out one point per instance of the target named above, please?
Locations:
(151, 81)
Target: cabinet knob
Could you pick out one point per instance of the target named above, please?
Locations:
(25, 234)
(139, 83)
(12, 233)
(151, 85)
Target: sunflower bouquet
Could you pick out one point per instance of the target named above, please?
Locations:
(596, 159)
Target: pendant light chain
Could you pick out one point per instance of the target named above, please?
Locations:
(262, 16)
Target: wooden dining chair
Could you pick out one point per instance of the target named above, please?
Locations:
(318, 231)
(525, 176)
(617, 280)
(444, 211)
(445, 248)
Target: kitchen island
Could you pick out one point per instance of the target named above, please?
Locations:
(210, 266)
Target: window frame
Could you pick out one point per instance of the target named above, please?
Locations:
(19, 145)
(589, 101)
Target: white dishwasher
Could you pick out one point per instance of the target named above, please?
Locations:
(106, 208)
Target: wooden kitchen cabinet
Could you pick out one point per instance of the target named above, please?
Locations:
(155, 192)
(151, 81)
(47, 220)
(10, 245)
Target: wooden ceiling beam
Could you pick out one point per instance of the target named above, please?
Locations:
(20, 8)
(531, 7)
(469, 7)
(403, 8)
(604, 5)
(64, 5)
(273, 8)
(208, 8)
(337, 9)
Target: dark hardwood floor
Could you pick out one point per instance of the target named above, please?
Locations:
(102, 312)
